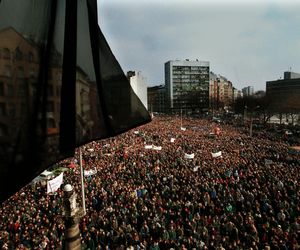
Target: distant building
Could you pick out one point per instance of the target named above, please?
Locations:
(248, 91)
(290, 75)
(220, 92)
(237, 94)
(259, 94)
(139, 85)
(187, 85)
(284, 94)
(157, 99)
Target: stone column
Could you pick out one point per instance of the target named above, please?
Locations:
(71, 218)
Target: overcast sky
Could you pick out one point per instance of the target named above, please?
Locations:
(249, 43)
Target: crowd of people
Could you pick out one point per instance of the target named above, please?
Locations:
(245, 197)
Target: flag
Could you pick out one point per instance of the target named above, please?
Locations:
(62, 87)
(54, 184)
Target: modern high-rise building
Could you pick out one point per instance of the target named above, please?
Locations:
(187, 85)
(284, 94)
(248, 91)
(139, 85)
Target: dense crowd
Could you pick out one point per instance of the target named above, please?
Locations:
(247, 198)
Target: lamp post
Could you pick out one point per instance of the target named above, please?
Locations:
(251, 121)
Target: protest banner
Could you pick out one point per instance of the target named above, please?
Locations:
(217, 154)
(54, 184)
(189, 156)
(157, 147)
(89, 172)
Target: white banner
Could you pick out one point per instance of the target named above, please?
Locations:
(157, 147)
(172, 140)
(189, 156)
(148, 146)
(54, 184)
(89, 172)
(136, 132)
(195, 169)
(218, 154)
(183, 129)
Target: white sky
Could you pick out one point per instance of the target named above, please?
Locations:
(246, 41)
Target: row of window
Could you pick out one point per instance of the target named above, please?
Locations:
(10, 91)
(9, 109)
(17, 54)
(8, 72)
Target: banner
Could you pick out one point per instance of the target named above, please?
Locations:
(89, 172)
(218, 154)
(183, 129)
(189, 156)
(172, 140)
(195, 169)
(54, 184)
(148, 146)
(157, 147)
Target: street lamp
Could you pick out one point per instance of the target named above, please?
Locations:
(251, 121)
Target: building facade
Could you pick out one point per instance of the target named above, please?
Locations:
(187, 85)
(248, 91)
(19, 80)
(221, 93)
(284, 94)
(157, 99)
(139, 85)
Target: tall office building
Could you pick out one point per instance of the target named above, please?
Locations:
(187, 85)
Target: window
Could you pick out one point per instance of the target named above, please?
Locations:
(10, 90)
(22, 89)
(31, 73)
(18, 54)
(30, 57)
(50, 106)
(2, 109)
(7, 70)
(1, 88)
(3, 130)
(50, 90)
(6, 53)
(20, 72)
(11, 110)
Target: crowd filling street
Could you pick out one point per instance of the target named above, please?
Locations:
(162, 187)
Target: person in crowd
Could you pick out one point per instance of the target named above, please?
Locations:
(248, 197)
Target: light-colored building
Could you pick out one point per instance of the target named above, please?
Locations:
(187, 85)
(139, 85)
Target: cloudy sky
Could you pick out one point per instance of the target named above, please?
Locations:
(246, 41)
